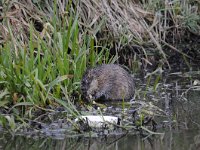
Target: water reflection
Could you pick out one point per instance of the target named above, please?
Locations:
(184, 140)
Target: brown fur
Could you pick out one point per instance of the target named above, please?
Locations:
(108, 81)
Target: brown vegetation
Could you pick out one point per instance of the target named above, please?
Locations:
(139, 24)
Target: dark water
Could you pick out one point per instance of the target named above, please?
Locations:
(172, 140)
(181, 129)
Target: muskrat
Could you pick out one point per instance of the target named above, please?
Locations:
(107, 82)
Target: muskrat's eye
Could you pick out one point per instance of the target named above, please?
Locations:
(84, 81)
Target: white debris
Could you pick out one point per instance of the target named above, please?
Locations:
(99, 121)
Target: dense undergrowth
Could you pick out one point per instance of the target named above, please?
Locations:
(45, 46)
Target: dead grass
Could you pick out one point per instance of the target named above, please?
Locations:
(17, 16)
(124, 22)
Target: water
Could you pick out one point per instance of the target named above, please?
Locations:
(172, 140)
(180, 127)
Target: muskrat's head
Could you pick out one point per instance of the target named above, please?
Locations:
(89, 85)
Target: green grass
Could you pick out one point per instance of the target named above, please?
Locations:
(46, 70)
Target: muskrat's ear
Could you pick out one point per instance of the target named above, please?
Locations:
(94, 84)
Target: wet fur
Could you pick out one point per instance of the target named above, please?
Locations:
(108, 82)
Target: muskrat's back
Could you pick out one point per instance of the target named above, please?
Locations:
(108, 81)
